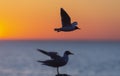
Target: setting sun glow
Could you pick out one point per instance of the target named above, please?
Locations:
(2, 30)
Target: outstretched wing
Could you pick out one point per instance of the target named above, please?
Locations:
(65, 18)
(53, 55)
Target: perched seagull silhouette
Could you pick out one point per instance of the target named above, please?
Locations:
(66, 23)
(56, 60)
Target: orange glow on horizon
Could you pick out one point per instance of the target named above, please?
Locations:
(36, 19)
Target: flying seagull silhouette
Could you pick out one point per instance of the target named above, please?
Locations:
(66, 23)
(56, 60)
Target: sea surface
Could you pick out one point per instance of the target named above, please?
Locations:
(91, 58)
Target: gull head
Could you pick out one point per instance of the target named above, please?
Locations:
(68, 53)
(74, 23)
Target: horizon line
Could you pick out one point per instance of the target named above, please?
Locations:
(94, 40)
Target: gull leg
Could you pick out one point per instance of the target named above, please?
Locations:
(57, 29)
(58, 70)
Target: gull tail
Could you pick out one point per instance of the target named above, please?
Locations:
(40, 61)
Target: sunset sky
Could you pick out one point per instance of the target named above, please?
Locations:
(36, 19)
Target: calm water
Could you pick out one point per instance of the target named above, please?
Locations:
(18, 58)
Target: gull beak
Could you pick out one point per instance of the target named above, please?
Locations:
(71, 54)
(79, 28)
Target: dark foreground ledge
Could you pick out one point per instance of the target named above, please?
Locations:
(63, 75)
